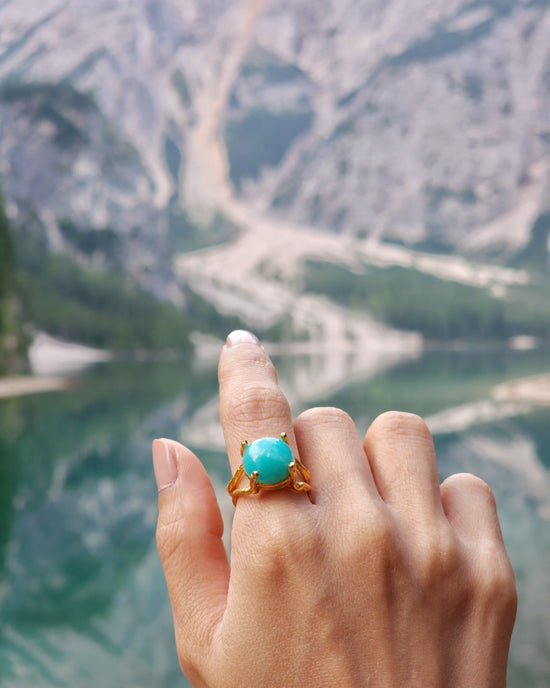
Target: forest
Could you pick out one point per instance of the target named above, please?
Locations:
(441, 310)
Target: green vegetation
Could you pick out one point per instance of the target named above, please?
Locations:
(260, 139)
(436, 195)
(105, 241)
(6, 255)
(68, 133)
(441, 42)
(97, 307)
(59, 103)
(346, 126)
(185, 235)
(61, 93)
(473, 87)
(8, 484)
(536, 425)
(118, 151)
(100, 308)
(439, 309)
(13, 342)
(270, 66)
(287, 190)
(172, 157)
(6, 270)
(106, 308)
(535, 255)
(179, 82)
(206, 318)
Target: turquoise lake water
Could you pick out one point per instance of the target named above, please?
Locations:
(82, 596)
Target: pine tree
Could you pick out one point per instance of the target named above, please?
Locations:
(6, 258)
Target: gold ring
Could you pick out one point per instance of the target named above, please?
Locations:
(268, 464)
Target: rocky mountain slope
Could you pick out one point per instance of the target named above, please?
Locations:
(425, 124)
(432, 119)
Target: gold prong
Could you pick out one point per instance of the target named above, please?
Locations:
(303, 470)
(244, 445)
(235, 480)
(284, 437)
(254, 482)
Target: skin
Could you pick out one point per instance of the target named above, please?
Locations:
(384, 579)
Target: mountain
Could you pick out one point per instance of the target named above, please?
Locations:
(431, 120)
(132, 132)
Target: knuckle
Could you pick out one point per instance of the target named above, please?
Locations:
(504, 590)
(381, 532)
(259, 403)
(469, 481)
(495, 580)
(400, 424)
(327, 416)
(359, 544)
(477, 483)
(439, 560)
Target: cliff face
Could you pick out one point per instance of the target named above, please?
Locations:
(432, 119)
(426, 123)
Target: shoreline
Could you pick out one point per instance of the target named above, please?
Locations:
(21, 385)
(53, 363)
(506, 400)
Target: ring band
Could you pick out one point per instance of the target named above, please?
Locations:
(268, 464)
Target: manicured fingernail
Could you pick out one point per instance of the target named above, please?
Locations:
(164, 464)
(241, 337)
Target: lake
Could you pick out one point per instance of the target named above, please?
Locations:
(82, 596)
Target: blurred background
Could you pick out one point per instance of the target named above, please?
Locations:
(363, 183)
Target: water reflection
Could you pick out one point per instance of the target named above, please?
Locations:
(77, 523)
(82, 598)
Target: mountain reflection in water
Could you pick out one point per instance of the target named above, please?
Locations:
(82, 596)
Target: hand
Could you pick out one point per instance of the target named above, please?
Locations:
(384, 579)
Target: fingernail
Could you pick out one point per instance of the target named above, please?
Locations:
(164, 464)
(241, 337)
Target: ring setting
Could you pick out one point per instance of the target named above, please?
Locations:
(268, 464)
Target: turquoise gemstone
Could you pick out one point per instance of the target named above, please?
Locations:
(269, 456)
